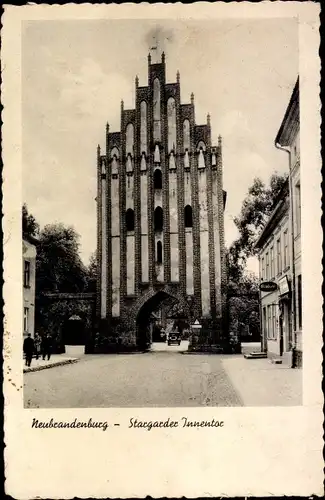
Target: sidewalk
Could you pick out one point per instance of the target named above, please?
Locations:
(56, 360)
(260, 383)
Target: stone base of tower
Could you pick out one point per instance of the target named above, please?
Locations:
(112, 337)
(213, 337)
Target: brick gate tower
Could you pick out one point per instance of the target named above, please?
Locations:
(160, 214)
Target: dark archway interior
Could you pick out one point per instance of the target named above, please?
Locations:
(145, 320)
(74, 331)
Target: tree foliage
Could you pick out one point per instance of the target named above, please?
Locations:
(30, 226)
(92, 272)
(242, 288)
(256, 209)
(59, 267)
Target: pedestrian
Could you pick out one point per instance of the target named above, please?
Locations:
(28, 349)
(37, 342)
(49, 347)
(46, 346)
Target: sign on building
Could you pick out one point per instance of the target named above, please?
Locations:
(268, 286)
(284, 285)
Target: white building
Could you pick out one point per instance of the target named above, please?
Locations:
(288, 139)
(274, 266)
(29, 283)
(279, 249)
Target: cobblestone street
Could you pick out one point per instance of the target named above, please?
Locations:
(161, 377)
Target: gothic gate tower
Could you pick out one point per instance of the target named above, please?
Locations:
(160, 213)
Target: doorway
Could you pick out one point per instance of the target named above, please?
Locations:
(74, 331)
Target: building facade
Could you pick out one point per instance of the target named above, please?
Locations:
(29, 282)
(160, 209)
(273, 248)
(288, 139)
(279, 248)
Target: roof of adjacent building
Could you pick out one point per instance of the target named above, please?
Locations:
(290, 121)
(31, 239)
(279, 208)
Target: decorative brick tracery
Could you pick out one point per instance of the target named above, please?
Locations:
(144, 243)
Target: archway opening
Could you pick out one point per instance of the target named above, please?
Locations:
(74, 331)
(158, 318)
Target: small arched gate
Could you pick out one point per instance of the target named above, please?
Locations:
(54, 310)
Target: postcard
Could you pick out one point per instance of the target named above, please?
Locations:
(162, 250)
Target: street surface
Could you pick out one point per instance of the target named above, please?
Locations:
(163, 377)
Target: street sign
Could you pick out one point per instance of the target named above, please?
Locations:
(268, 286)
(196, 324)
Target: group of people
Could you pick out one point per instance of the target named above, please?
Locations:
(39, 345)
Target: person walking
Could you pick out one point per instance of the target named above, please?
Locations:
(37, 342)
(28, 349)
(46, 347)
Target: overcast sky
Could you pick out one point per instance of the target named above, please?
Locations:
(75, 73)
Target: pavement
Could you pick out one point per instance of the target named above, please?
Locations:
(163, 377)
(55, 360)
(258, 382)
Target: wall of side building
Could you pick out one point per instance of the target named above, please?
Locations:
(296, 207)
(29, 278)
(274, 266)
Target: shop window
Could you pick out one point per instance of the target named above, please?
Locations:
(274, 332)
(188, 216)
(269, 322)
(264, 322)
(159, 252)
(157, 179)
(129, 219)
(158, 219)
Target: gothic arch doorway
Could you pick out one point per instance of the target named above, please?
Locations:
(148, 317)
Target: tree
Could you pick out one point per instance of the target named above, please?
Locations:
(243, 304)
(30, 226)
(243, 300)
(92, 272)
(256, 209)
(58, 266)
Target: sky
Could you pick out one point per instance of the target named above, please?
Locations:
(75, 73)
